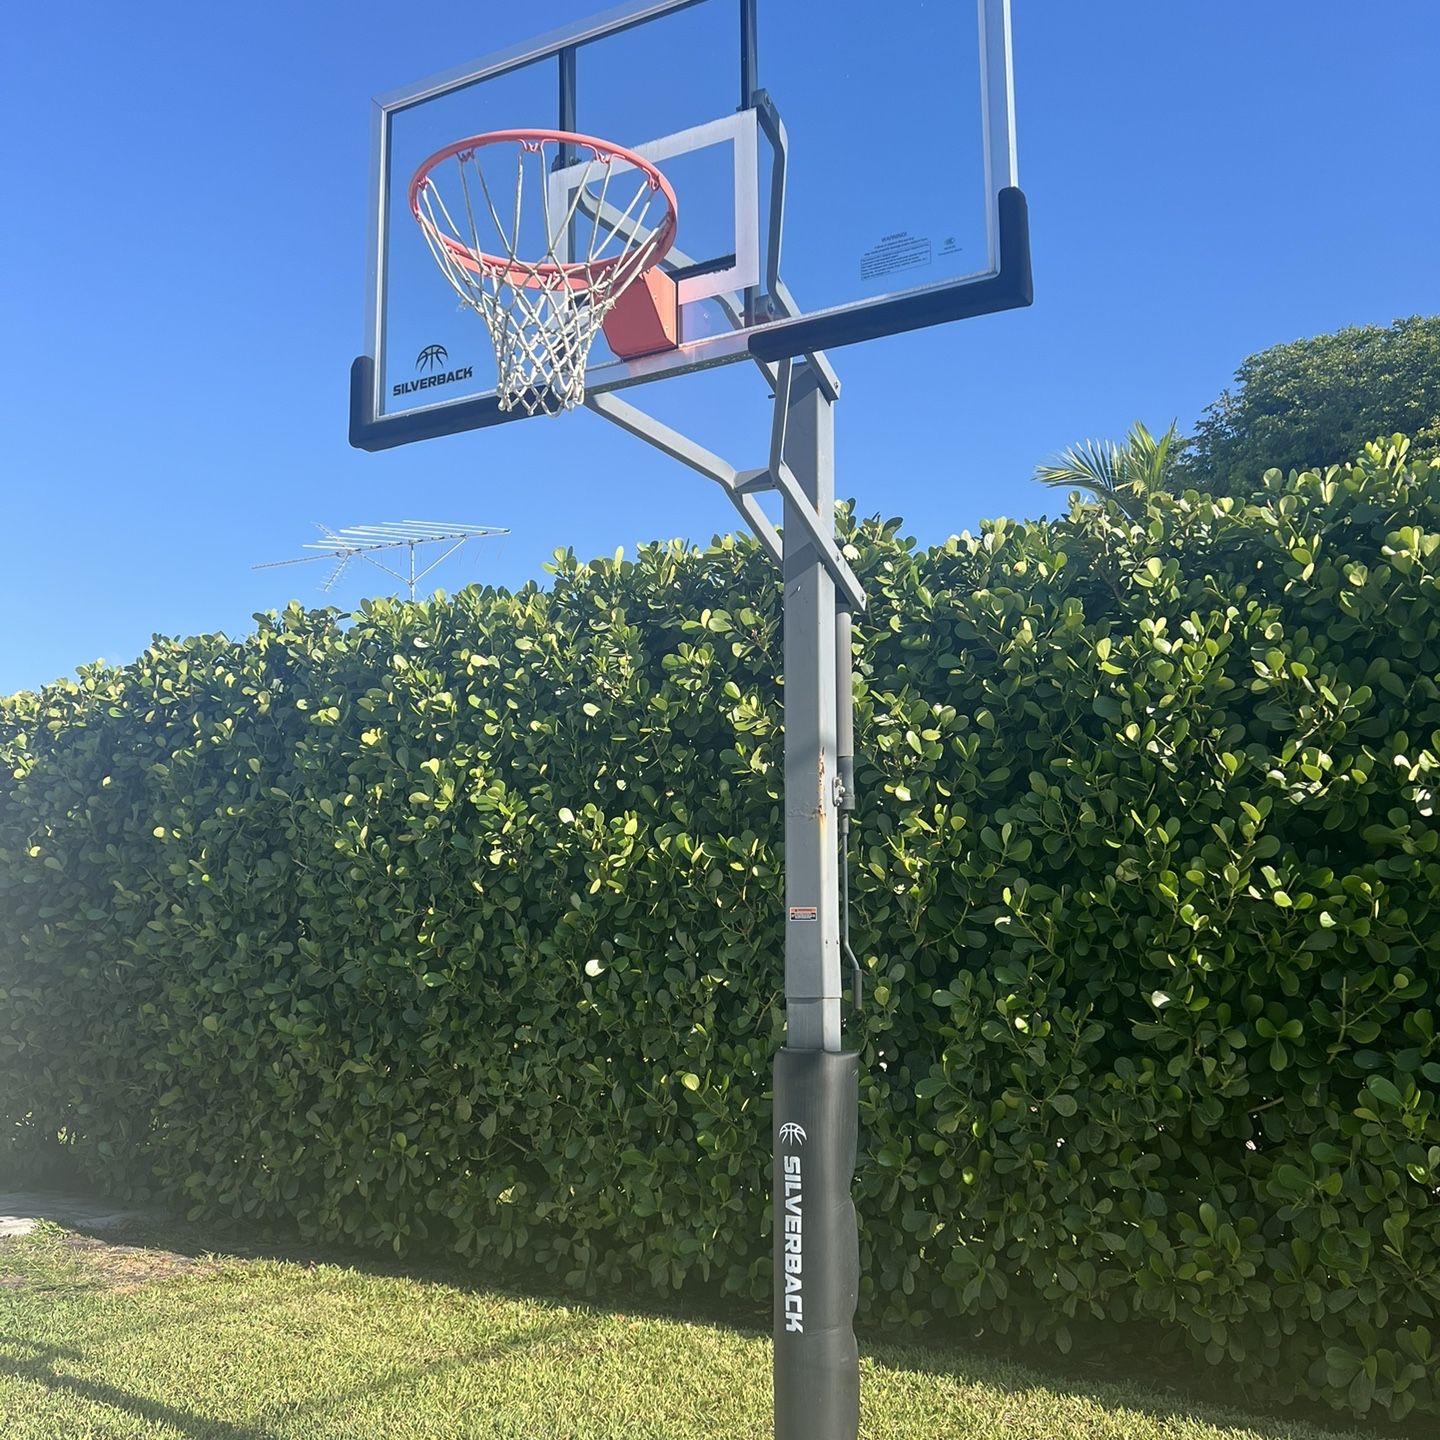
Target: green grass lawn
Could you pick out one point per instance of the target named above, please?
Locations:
(100, 1340)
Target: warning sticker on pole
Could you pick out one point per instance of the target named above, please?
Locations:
(804, 912)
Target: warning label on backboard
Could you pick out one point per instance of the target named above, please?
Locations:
(898, 251)
(804, 912)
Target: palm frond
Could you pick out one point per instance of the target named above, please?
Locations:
(1122, 475)
(1092, 465)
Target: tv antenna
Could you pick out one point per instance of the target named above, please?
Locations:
(369, 542)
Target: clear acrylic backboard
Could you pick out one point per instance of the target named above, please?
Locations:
(842, 171)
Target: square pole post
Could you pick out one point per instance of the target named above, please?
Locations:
(812, 851)
(816, 1245)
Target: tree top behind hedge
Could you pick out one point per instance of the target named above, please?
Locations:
(1316, 402)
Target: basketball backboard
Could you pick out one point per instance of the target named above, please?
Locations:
(841, 171)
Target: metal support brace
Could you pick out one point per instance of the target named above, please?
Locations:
(740, 486)
(687, 452)
(778, 296)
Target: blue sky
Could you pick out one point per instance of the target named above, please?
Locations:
(184, 245)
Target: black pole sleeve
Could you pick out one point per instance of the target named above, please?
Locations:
(817, 1247)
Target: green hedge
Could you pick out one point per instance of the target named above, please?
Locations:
(460, 922)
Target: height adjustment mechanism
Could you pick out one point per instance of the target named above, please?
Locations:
(845, 785)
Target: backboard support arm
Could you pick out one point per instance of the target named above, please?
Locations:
(740, 486)
(635, 421)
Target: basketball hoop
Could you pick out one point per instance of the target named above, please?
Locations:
(617, 221)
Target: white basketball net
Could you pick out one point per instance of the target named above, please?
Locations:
(544, 313)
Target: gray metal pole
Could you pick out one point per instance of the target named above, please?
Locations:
(816, 1084)
(812, 851)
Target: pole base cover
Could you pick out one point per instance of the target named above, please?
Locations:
(817, 1248)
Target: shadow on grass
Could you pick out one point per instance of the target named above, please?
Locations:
(1166, 1385)
(321, 1406)
(42, 1365)
(231, 1240)
(1172, 1397)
